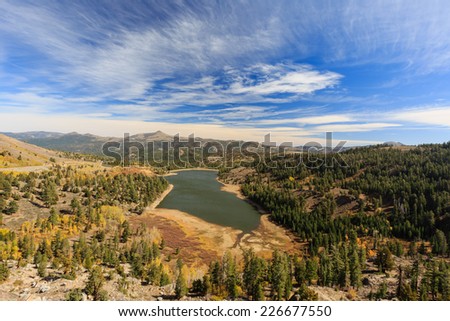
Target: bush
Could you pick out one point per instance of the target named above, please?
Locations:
(4, 272)
(74, 295)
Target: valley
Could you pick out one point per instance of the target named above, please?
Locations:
(331, 233)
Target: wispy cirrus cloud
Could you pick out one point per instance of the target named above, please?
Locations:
(106, 52)
(260, 83)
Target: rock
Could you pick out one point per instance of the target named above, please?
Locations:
(84, 297)
(160, 298)
(295, 297)
(44, 288)
(24, 296)
(33, 284)
(366, 282)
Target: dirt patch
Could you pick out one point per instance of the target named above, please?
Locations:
(268, 237)
(199, 242)
(238, 175)
(24, 284)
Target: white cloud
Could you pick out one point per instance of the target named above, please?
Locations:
(118, 61)
(291, 79)
(208, 55)
(253, 84)
(358, 127)
(312, 120)
(439, 116)
(116, 128)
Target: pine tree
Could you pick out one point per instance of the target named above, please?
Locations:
(355, 269)
(4, 272)
(42, 266)
(254, 275)
(12, 208)
(49, 194)
(299, 270)
(311, 270)
(181, 288)
(94, 284)
(231, 276)
(439, 243)
(280, 275)
(384, 260)
(126, 232)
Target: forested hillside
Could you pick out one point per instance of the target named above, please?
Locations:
(384, 201)
(377, 228)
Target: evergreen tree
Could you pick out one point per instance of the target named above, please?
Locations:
(42, 266)
(94, 284)
(439, 243)
(126, 232)
(4, 272)
(181, 288)
(254, 275)
(49, 194)
(384, 260)
(355, 269)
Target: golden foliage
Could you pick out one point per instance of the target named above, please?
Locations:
(112, 213)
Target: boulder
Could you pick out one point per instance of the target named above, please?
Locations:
(44, 289)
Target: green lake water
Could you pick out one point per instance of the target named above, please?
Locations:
(198, 193)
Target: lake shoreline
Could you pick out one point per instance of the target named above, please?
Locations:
(236, 190)
(195, 169)
(214, 238)
(160, 198)
(176, 171)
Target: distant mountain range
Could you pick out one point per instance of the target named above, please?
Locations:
(88, 143)
(92, 144)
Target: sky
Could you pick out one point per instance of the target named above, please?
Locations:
(367, 71)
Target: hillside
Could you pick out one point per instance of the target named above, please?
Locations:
(379, 202)
(81, 143)
(364, 231)
(14, 153)
(71, 142)
(92, 144)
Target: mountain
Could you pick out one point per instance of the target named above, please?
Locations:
(15, 153)
(393, 144)
(71, 142)
(88, 143)
(152, 137)
(34, 135)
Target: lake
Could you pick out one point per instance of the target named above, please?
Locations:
(198, 193)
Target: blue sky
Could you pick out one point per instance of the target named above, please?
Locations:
(369, 71)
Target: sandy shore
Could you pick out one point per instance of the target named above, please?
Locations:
(268, 236)
(161, 197)
(236, 190)
(194, 169)
(202, 241)
(175, 171)
(199, 242)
